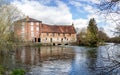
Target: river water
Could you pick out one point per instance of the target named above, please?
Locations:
(65, 60)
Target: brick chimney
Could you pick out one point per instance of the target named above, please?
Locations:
(27, 18)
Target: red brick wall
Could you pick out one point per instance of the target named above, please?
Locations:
(38, 33)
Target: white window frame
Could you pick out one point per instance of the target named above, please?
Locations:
(37, 32)
(23, 30)
(31, 23)
(32, 34)
(37, 23)
(37, 28)
(32, 28)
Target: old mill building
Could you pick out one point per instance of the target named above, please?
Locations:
(29, 29)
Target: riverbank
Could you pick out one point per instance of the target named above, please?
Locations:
(37, 44)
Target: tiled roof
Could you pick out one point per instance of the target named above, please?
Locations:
(52, 28)
(58, 29)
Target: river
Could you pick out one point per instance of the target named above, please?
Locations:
(65, 60)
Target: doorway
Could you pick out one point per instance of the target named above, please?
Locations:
(35, 40)
(61, 39)
(53, 44)
(50, 39)
(39, 40)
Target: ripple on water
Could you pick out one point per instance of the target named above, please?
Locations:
(56, 67)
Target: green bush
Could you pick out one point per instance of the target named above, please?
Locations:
(18, 72)
(2, 70)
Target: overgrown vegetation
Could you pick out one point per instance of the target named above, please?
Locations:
(8, 14)
(91, 36)
(18, 72)
(114, 39)
(2, 70)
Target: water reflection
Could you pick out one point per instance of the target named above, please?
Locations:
(108, 63)
(84, 62)
(32, 56)
(92, 59)
(70, 60)
(46, 60)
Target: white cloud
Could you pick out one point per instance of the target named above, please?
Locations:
(89, 9)
(81, 23)
(75, 3)
(88, 1)
(59, 14)
(95, 1)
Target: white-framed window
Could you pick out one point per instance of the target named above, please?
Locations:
(37, 32)
(32, 23)
(32, 34)
(37, 28)
(32, 28)
(23, 29)
(37, 23)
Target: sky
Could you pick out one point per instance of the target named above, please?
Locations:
(64, 12)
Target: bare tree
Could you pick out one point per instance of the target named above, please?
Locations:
(8, 14)
(112, 10)
(111, 6)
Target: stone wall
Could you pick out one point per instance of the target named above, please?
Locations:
(57, 38)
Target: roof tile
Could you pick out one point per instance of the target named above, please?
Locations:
(58, 29)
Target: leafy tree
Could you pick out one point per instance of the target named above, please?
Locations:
(92, 33)
(102, 35)
(82, 37)
(115, 39)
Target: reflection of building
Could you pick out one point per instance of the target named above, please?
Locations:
(30, 55)
(33, 30)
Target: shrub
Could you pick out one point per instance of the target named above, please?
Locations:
(2, 70)
(18, 72)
